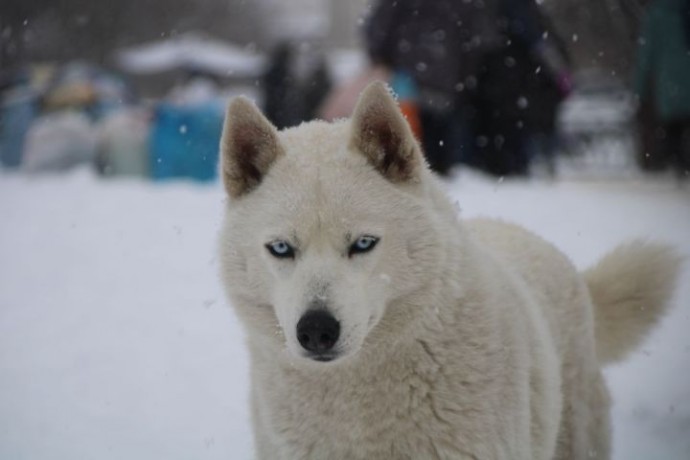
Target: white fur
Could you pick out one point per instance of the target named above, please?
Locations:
(460, 340)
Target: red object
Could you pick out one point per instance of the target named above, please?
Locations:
(411, 114)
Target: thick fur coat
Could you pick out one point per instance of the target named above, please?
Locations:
(455, 339)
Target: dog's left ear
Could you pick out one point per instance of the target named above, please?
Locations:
(248, 147)
(381, 133)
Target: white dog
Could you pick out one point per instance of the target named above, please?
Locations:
(382, 327)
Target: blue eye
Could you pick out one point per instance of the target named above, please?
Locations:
(363, 244)
(281, 249)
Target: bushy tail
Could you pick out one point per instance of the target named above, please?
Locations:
(630, 289)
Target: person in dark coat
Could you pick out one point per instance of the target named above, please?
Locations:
(282, 95)
(316, 87)
(437, 43)
(520, 85)
(662, 80)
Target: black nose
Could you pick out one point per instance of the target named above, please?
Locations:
(318, 331)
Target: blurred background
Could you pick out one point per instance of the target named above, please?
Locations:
(569, 117)
(508, 87)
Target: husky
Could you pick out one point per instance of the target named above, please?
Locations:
(381, 326)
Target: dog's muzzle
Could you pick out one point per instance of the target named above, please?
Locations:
(318, 332)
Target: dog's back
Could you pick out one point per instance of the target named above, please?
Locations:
(594, 320)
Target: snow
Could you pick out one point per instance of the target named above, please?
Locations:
(116, 340)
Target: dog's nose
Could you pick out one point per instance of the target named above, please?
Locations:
(318, 331)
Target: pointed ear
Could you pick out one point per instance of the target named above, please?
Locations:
(383, 136)
(248, 147)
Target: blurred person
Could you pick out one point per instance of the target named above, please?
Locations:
(547, 84)
(436, 43)
(282, 101)
(662, 79)
(18, 110)
(122, 147)
(317, 85)
(340, 102)
(195, 87)
(59, 140)
(295, 84)
(521, 82)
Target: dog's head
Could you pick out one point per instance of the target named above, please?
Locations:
(329, 231)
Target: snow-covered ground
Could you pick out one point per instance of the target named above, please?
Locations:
(116, 340)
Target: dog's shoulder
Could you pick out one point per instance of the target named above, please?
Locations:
(517, 246)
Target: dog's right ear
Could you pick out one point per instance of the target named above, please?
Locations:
(248, 147)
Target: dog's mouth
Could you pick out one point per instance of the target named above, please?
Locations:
(322, 357)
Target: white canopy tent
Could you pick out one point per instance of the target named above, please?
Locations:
(191, 51)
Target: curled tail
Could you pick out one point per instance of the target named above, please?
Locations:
(630, 288)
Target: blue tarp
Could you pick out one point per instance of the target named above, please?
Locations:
(184, 141)
(17, 112)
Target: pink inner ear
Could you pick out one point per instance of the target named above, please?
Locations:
(252, 146)
(387, 141)
(247, 140)
(246, 156)
(386, 148)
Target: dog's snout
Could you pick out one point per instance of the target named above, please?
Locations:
(318, 331)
